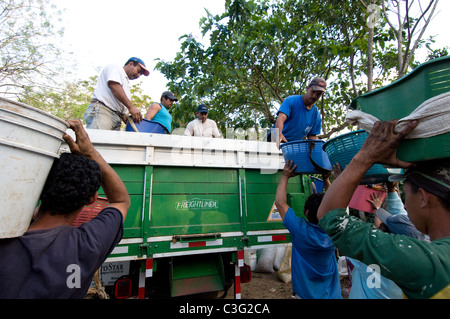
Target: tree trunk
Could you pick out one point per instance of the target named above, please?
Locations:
(370, 60)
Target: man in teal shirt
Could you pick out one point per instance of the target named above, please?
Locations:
(159, 112)
(421, 269)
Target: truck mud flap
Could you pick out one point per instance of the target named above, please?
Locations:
(196, 274)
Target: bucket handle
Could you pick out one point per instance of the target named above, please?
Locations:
(130, 120)
(318, 168)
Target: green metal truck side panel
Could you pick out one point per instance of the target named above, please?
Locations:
(261, 190)
(194, 175)
(232, 204)
(133, 178)
(194, 200)
(195, 274)
(171, 214)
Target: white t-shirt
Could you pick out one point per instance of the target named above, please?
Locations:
(198, 128)
(103, 93)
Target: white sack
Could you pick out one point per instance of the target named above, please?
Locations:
(433, 116)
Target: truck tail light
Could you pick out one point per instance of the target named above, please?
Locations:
(246, 274)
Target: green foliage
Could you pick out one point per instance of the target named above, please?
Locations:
(259, 52)
(66, 103)
(28, 56)
(262, 51)
(72, 100)
(140, 100)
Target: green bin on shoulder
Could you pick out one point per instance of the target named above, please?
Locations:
(402, 97)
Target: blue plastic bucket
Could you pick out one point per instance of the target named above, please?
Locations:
(343, 148)
(147, 126)
(308, 155)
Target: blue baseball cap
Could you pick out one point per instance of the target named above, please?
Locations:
(202, 108)
(141, 63)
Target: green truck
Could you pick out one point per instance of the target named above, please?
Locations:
(196, 205)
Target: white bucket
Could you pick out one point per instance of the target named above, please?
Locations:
(29, 142)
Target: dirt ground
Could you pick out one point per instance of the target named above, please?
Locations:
(268, 286)
(265, 286)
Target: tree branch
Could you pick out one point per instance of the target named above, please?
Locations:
(409, 53)
(334, 130)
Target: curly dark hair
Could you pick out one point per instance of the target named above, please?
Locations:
(312, 205)
(72, 181)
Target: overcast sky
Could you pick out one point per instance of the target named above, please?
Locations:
(99, 32)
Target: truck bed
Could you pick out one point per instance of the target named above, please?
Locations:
(190, 194)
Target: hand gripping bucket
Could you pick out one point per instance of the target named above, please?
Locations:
(343, 148)
(308, 155)
(29, 142)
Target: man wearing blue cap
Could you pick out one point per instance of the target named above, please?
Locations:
(111, 102)
(202, 126)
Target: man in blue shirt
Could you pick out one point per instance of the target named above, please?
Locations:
(298, 116)
(315, 274)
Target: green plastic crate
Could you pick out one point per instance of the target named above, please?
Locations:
(402, 97)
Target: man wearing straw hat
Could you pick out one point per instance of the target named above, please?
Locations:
(298, 115)
(421, 269)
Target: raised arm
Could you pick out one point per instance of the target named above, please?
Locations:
(112, 185)
(281, 196)
(279, 124)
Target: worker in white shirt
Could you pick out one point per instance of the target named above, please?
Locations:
(202, 126)
(111, 101)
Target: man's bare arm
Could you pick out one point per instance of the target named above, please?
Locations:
(119, 93)
(112, 185)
